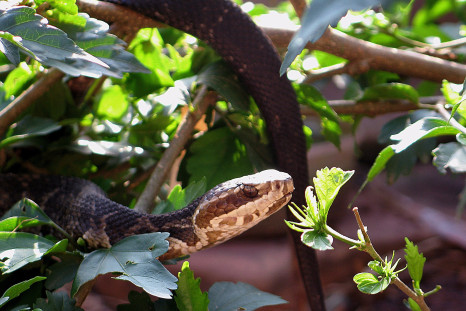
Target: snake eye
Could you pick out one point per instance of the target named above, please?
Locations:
(249, 191)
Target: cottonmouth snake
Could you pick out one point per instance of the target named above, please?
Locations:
(224, 26)
(81, 208)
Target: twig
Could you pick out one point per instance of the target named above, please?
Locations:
(299, 7)
(9, 114)
(201, 102)
(446, 115)
(374, 108)
(369, 248)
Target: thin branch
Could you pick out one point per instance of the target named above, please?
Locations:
(351, 68)
(447, 116)
(299, 7)
(9, 114)
(203, 100)
(374, 108)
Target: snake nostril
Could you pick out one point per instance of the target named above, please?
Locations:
(249, 191)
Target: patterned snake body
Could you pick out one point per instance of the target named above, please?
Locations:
(82, 209)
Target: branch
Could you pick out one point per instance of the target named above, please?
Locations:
(379, 57)
(299, 7)
(159, 175)
(376, 107)
(9, 114)
(403, 62)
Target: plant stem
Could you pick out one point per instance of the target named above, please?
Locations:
(342, 237)
(369, 248)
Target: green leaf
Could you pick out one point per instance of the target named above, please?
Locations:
(221, 78)
(179, 198)
(369, 284)
(327, 183)
(189, 296)
(134, 258)
(65, 6)
(310, 96)
(147, 47)
(24, 214)
(413, 305)
(57, 301)
(218, 155)
(424, 128)
(17, 249)
(29, 127)
(379, 163)
(227, 296)
(415, 262)
(112, 103)
(450, 155)
(317, 240)
(48, 45)
(18, 79)
(391, 91)
(15, 290)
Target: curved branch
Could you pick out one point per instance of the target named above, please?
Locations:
(9, 114)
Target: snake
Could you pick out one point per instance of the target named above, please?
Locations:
(83, 210)
(234, 36)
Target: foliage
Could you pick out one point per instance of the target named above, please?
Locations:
(113, 129)
(316, 233)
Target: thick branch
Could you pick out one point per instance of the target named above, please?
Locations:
(9, 114)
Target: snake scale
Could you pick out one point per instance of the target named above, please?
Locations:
(228, 30)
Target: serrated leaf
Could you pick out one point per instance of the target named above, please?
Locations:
(415, 262)
(450, 156)
(317, 240)
(134, 258)
(218, 155)
(15, 290)
(327, 183)
(17, 249)
(189, 296)
(227, 296)
(369, 284)
(56, 301)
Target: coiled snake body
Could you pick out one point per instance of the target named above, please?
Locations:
(82, 209)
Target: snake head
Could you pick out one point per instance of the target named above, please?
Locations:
(239, 204)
